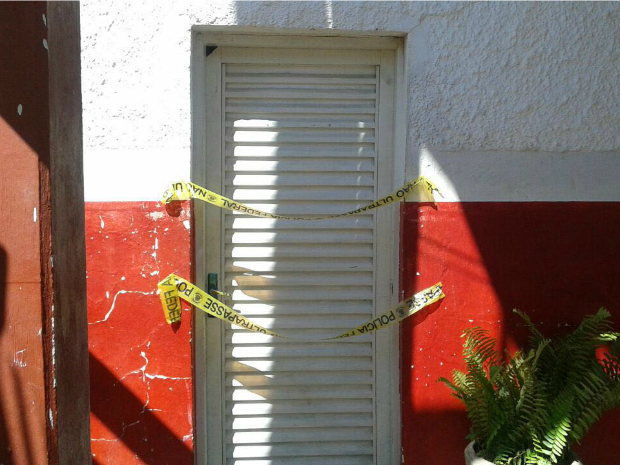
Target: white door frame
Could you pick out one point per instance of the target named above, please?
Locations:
(206, 126)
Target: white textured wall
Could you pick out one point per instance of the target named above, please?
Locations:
(496, 90)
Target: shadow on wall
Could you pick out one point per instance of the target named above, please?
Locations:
(24, 134)
(269, 14)
(557, 261)
(17, 425)
(139, 413)
(25, 111)
(5, 453)
(113, 401)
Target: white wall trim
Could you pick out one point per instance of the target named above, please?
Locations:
(132, 175)
(301, 41)
(220, 35)
(470, 176)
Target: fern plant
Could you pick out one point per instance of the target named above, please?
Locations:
(531, 407)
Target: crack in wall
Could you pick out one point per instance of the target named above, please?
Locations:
(121, 292)
(146, 378)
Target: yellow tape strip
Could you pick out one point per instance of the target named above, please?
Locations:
(174, 288)
(188, 190)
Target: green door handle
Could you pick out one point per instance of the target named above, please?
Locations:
(212, 287)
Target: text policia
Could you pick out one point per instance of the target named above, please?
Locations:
(174, 288)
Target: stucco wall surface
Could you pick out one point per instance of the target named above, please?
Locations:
(140, 367)
(507, 102)
(496, 76)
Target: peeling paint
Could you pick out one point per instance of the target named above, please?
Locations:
(121, 292)
(146, 375)
(20, 108)
(127, 330)
(45, 46)
(18, 359)
(149, 376)
(53, 342)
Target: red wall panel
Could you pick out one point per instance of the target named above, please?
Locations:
(140, 367)
(556, 261)
(24, 154)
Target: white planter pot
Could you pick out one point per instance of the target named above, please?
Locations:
(471, 458)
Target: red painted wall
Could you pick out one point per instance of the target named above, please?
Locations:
(140, 368)
(556, 261)
(24, 156)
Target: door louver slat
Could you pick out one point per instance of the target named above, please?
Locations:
(299, 139)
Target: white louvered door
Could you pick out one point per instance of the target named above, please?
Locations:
(298, 133)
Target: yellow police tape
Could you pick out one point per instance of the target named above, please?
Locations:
(174, 288)
(188, 190)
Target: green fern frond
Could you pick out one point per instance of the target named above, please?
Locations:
(556, 431)
(479, 347)
(531, 407)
